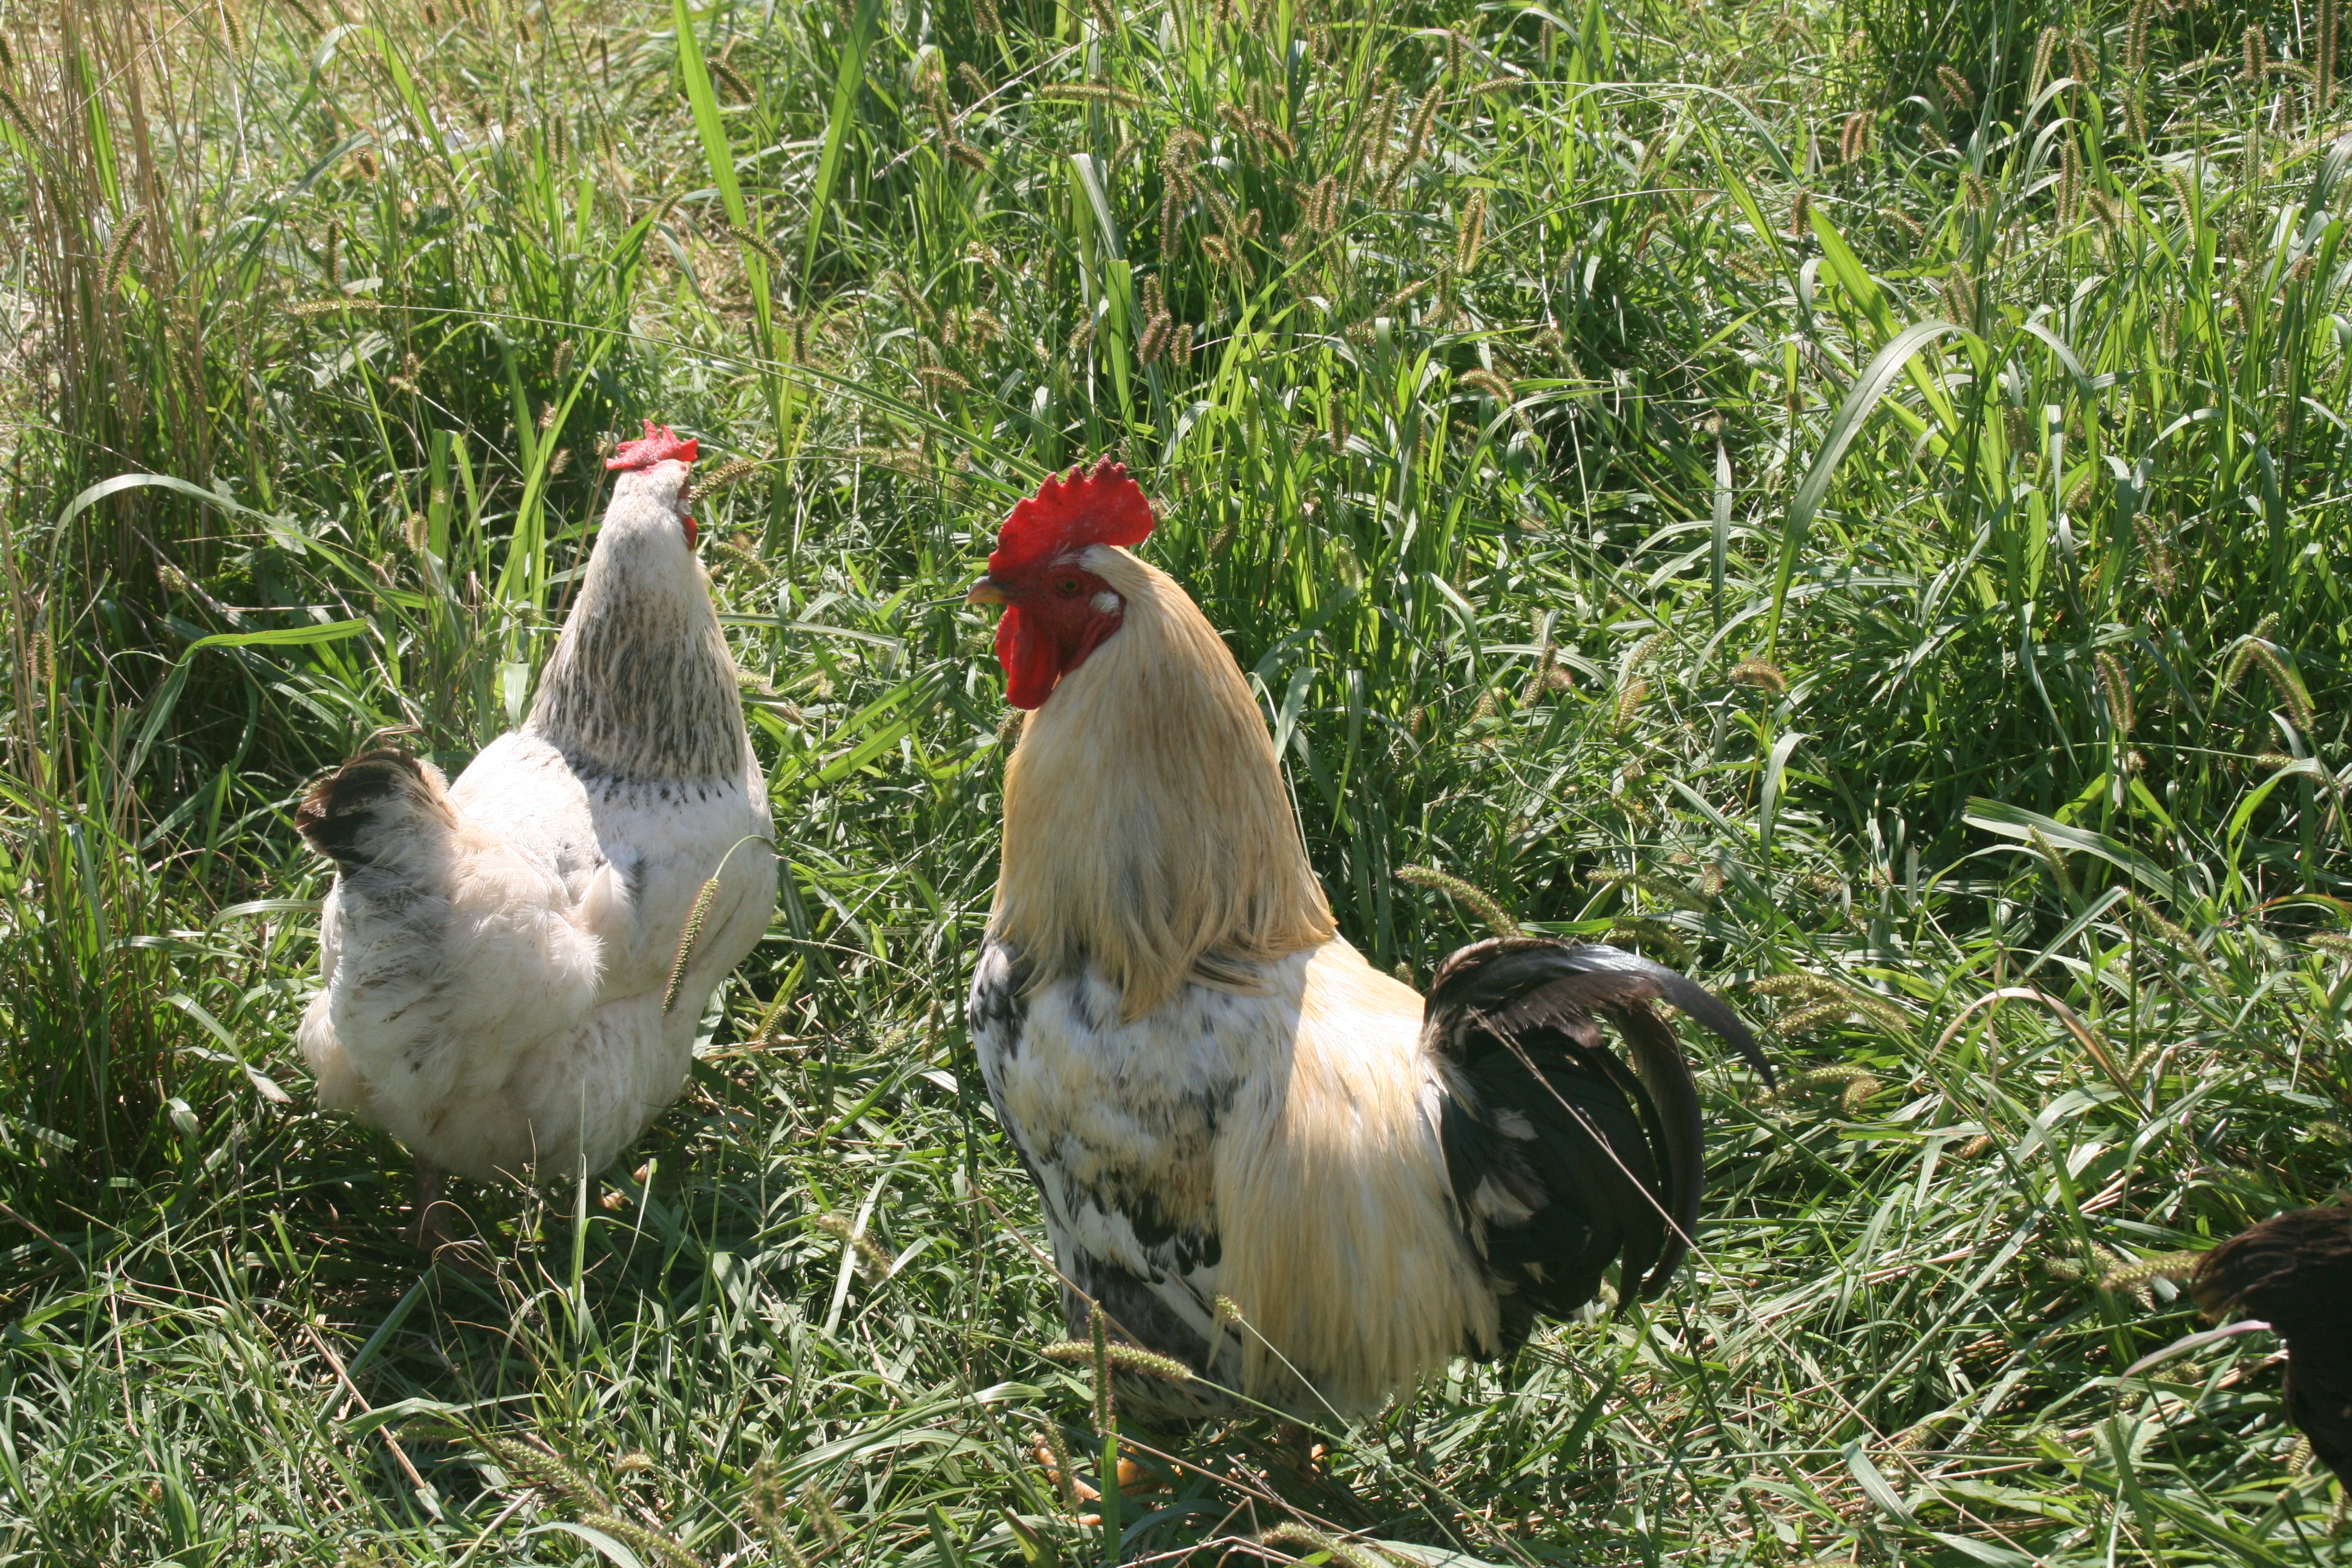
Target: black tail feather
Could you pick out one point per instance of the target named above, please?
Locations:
(1601, 1158)
(1502, 973)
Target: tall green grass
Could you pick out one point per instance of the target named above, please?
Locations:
(1849, 500)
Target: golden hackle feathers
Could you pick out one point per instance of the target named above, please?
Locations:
(1147, 834)
(1332, 1171)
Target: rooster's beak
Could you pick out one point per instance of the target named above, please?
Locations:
(987, 590)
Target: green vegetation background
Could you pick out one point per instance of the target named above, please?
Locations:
(1850, 498)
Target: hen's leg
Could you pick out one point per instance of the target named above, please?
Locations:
(432, 1213)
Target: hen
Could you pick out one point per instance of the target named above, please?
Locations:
(1261, 1156)
(495, 952)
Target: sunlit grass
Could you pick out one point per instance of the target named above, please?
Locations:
(1849, 499)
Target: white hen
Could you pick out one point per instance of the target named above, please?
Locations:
(495, 952)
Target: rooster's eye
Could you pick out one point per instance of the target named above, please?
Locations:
(1068, 587)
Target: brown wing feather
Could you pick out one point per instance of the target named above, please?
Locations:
(2295, 1271)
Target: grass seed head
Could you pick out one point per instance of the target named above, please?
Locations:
(16, 115)
(688, 939)
(1956, 90)
(544, 1467)
(873, 1264)
(727, 78)
(2083, 490)
(2134, 1275)
(818, 1507)
(2117, 687)
(2053, 859)
(720, 478)
(1106, 1403)
(1488, 906)
(2081, 62)
(1853, 140)
(1471, 236)
(2292, 696)
(752, 243)
(1052, 1455)
(2044, 49)
(2070, 183)
(1304, 1539)
(1812, 1015)
(1628, 704)
(1492, 385)
(1960, 295)
(2322, 53)
(1118, 1353)
(117, 251)
(2136, 26)
(651, 1546)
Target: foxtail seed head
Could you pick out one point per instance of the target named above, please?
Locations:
(687, 940)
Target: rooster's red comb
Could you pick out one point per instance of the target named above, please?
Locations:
(660, 444)
(1104, 507)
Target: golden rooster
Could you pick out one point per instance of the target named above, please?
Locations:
(1217, 1097)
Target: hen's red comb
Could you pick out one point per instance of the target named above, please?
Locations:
(1104, 507)
(660, 445)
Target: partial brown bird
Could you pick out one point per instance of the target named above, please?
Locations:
(2295, 1273)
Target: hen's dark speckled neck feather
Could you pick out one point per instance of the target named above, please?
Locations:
(640, 687)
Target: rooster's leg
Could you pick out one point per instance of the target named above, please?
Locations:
(432, 1213)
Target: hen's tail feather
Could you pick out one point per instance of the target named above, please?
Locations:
(336, 818)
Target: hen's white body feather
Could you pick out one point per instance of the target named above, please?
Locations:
(511, 1017)
(495, 954)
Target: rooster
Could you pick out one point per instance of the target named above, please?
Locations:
(2293, 1273)
(1257, 1155)
(496, 955)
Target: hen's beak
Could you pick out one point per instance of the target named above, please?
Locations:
(987, 590)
